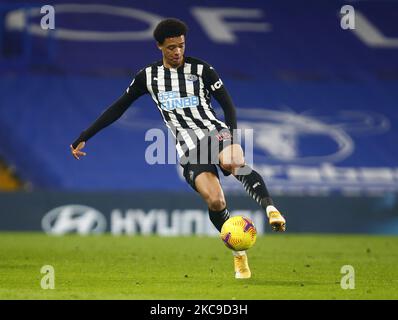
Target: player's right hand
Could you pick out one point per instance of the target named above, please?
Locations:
(76, 152)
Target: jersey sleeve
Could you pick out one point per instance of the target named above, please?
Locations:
(138, 87)
(211, 79)
(215, 86)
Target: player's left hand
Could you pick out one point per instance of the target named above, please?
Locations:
(76, 152)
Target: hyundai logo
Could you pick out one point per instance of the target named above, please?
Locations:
(74, 219)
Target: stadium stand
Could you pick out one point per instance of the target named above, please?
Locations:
(322, 100)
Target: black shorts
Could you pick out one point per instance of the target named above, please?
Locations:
(193, 169)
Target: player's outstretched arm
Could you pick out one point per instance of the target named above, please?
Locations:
(110, 115)
(136, 89)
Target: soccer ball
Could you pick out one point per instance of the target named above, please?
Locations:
(238, 233)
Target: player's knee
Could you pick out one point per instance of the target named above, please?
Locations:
(234, 164)
(216, 202)
(238, 162)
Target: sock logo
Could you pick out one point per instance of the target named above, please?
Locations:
(256, 184)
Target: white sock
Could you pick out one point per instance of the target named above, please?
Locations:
(239, 253)
(269, 209)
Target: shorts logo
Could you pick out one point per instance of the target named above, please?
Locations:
(223, 136)
(192, 77)
(191, 175)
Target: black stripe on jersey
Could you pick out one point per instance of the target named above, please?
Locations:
(194, 71)
(154, 74)
(167, 79)
(181, 82)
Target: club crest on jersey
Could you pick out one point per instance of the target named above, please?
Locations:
(170, 100)
(192, 77)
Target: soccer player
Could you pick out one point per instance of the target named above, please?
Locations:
(181, 87)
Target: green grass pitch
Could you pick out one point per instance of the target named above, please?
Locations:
(284, 266)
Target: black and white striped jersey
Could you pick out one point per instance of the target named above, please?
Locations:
(182, 96)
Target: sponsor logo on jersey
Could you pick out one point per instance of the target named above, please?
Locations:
(171, 100)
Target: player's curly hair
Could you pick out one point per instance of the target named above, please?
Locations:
(169, 28)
